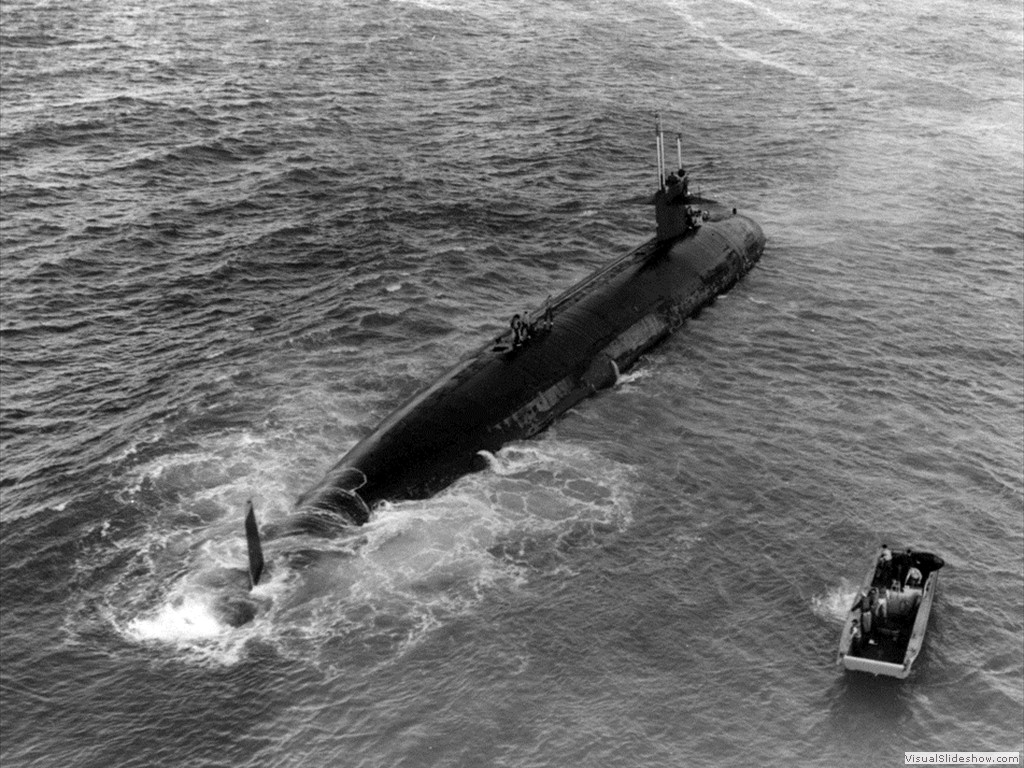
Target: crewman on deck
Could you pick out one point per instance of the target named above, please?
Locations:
(519, 330)
(547, 320)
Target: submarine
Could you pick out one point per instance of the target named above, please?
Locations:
(545, 362)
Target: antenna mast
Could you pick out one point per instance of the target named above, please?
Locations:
(660, 142)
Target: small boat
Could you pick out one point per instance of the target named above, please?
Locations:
(885, 628)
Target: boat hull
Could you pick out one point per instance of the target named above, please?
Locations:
(894, 654)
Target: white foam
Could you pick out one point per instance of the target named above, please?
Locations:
(835, 604)
(191, 619)
(492, 461)
(782, 20)
(412, 568)
(634, 376)
(746, 54)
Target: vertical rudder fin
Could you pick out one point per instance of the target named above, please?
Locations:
(252, 540)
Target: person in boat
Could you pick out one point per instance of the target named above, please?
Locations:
(913, 577)
(881, 609)
(901, 564)
(855, 636)
(866, 601)
(883, 570)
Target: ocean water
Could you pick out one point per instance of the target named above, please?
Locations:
(235, 235)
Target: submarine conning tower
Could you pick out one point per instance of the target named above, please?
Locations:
(672, 211)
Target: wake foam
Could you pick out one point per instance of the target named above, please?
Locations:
(835, 604)
(186, 621)
(378, 591)
(700, 26)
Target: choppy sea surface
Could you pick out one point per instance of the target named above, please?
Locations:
(235, 235)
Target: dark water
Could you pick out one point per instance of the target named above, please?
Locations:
(235, 235)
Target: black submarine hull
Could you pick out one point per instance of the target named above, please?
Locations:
(504, 392)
